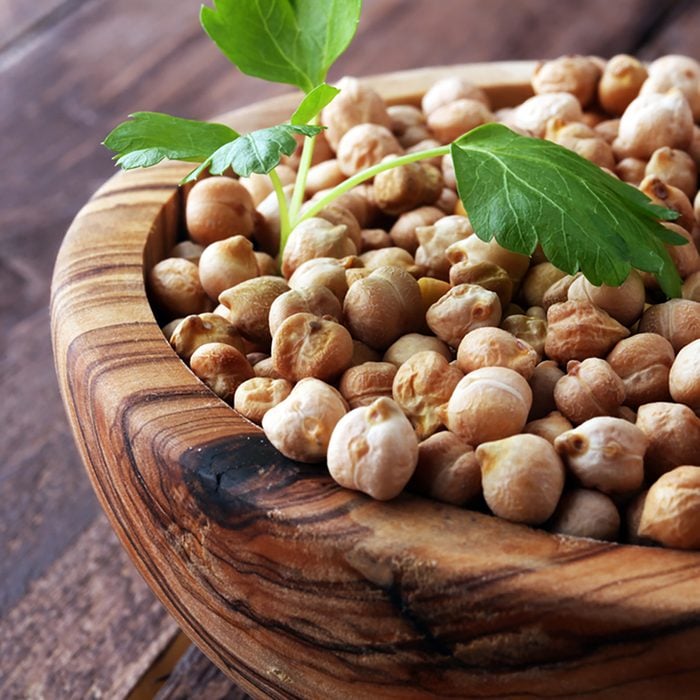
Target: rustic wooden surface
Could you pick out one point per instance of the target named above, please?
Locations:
(75, 616)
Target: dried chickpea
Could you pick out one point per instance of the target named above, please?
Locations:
(643, 362)
(373, 449)
(363, 353)
(423, 383)
(674, 71)
(684, 378)
(407, 187)
(558, 291)
(403, 232)
(255, 397)
(677, 320)
(605, 453)
(522, 477)
(353, 274)
(170, 327)
(196, 330)
(494, 347)
(464, 308)
(403, 117)
(321, 272)
(624, 303)
(307, 346)
(545, 377)
(435, 240)
(410, 344)
(300, 426)
(671, 512)
(691, 287)
(175, 289)
(451, 120)
(339, 215)
(449, 203)
(538, 280)
(450, 89)
(322, 176)
(319, 301)
(675, 168)
(374, 239)
(226, 263)
(577, 75)
(362, 384)
(359, 201)
(620, 83)
(365, 145)
(631, 170)
(588, 389)
(187, 249)
(550, 427)
(533, 114)
(485, 274)
(608, 129)
(217, 208)
(447, 470)
(586, 513)
(472, 249)
(581, 139)
(670, 197)
(265, 368)
(488, 404)
(431, 290)
(685, 257)
(528, 329)
(395, 256)
(221, 367)
(266, 263)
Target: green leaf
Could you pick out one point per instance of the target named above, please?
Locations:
(257, 152)
(313, 103)
(284, 41)
(523, 191)
(150, 137)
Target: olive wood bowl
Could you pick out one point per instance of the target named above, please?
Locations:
(298, 588)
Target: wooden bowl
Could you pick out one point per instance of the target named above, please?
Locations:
(295, 587)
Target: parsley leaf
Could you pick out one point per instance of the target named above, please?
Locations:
(150, 137)
(523, 190)
(257, 152)
(313, 103)
(284, 41)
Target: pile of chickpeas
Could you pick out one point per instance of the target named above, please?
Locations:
(394, 345)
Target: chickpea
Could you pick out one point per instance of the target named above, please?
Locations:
(255, 397)
(528, 329)
(362, 384)
(365, 145)
(691, 287)
(643, 362)
(684, 378)
(221, 367)
(586, 513)
(494, 347)
(624, 303)
(362, 353)
(538, 279)
(323, 176)
(685, 257)
(403, 117)
(411, 344)
(620, 83)
(680, 72)
(488, 404)
(447, 90)
(373, 449)
(677, 320)
(265, 368)
(484, 274)
(550, 427)
(217, 208)
(406, 187)
(353, 274)
(670, 197)
(403, 232)
(589, 388)
(436, 239)
(451, 120)
(472, 249)
(671, 512)
(359, 201)
(605, 453)
(673, 431)
(260, 186)
(300, 426)
(226, 263)
(339, 215)
(187, 249)
(581, 139)
(421, 386)
(631, 170)
(449, 203)
(464, 308)
(542, 383)
(393, 256)
(522, 477)
(375, 239)
(319, 301)
(533, 114)
(431, 291)
(675, 168)
(266, 264)
(558, 291)
(608, 129)
(577, 330)
(174, 288)
(321, 272)
(448, 172)
(577, 75)
(447, 470)
(196, 330)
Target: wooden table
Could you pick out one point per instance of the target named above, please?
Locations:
(76, 620)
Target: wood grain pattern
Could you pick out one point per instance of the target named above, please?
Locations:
(297, 588)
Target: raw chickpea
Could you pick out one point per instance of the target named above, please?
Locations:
(522, 477)
(652, 121)
(608, 129)
(407, 187)
(624, 303)
(605, 453)
(675, 168)
(365, 145)
(643, 362)
(436, 239)
(677, 320)
(449, 203)
(558, 291)
(550, 427)
(577, 330)
(373, 449)
(485, 274)
(374, 239)
(260, 186)
(359, 201)
(691, 287)
(680, 72)
(589, 389)
(464, 308)
(528, 329)
(300, 426)
(488, 404)
(431, 290)
(403, 117)
(620, 83)
(542, 383)
(421, 386)
(315, 238)
(684, 378)
(362, 353)
(323, 176)
(670, 197)
(673, 431)
(362, 384)
(581, 139)
(537, 312)
(412, 343)
(586, 513)
(266, 263)
(354, 274)
(631, 170)
(265, 368)
(321, 272)
(538, 280)
(339, 215)
(577, 75)
(533, 114)
(671, 512)
(448, 172)
(447, 470)
(395, 256)
(307, 346)
(450, 121)
(217, 208)
(174, 288)
(196, 330)
(169, 328)
(451, 89)
(685, 257)
(355, 104)
(472, 249)
(256, 396)
(319, 301)
(382, 307)
(188, 250)
(221, 367)
(403, 232)
(426, 144)
(494, 347)
(226, 263)
(249, 305)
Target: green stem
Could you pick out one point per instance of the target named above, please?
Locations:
(285, 226)
(302, 174)
(368, 173)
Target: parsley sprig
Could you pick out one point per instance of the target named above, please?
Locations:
(520, 191)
